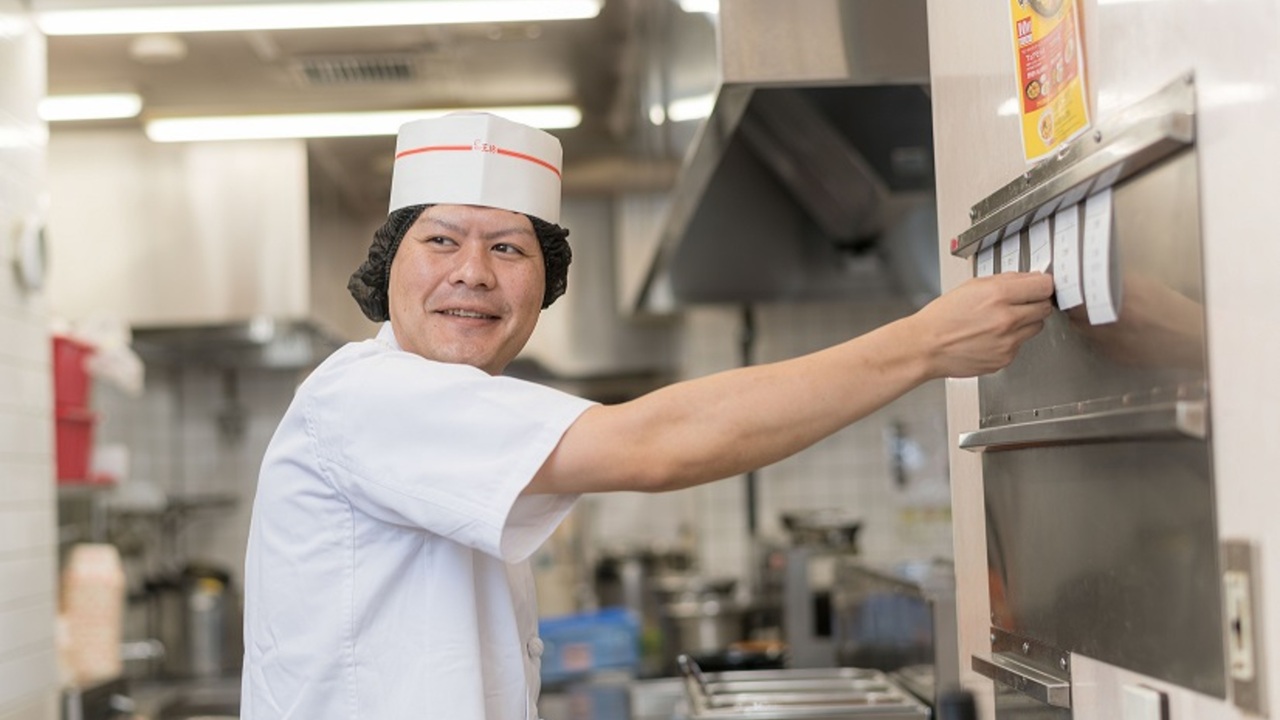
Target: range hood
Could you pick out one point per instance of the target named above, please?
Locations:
(813, 176)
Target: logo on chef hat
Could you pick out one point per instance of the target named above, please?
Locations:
(477, 159)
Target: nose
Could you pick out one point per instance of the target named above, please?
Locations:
(472, 267)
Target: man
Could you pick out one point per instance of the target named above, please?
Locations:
(409, 481)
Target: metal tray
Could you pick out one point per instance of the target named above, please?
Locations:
(826, 693)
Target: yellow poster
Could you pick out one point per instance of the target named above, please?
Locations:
(1052, 95)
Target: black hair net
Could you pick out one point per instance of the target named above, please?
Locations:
(368, 284)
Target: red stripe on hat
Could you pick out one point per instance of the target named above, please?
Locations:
(464, 148)
(530, 158)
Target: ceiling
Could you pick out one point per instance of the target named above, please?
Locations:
(612, 66)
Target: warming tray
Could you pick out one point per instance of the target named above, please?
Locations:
(799, 694)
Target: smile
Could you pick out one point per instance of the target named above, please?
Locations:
(472, 314)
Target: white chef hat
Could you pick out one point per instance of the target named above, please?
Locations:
(472, 158)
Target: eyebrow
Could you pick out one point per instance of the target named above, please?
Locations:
(494, 235)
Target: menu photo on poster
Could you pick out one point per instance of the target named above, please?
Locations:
(1052, 92)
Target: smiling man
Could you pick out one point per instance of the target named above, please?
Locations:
(467, 286)
(409, 481)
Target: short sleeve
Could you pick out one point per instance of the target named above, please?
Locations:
(442, 447)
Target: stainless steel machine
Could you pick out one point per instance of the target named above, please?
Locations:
(795, 580)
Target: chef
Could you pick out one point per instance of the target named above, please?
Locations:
(409, 481)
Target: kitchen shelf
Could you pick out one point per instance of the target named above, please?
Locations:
(1178, 419)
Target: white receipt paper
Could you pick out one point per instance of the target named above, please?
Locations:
(1066, 257)
(986, 262)
(1010, 253)
(1100, 296)
(1041, 246)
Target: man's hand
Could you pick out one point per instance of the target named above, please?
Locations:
(978, 327)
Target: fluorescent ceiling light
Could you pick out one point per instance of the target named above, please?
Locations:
(56, 108)
(691, 108)
(262, 127)
(213, 17)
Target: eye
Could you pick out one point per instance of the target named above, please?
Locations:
(509, 249)
(438, 240)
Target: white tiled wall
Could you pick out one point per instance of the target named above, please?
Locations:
(196, 433)
(28, 546)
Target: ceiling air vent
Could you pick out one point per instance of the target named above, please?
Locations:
(355, 69)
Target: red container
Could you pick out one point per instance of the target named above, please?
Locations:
(74, 441)
(70, 377)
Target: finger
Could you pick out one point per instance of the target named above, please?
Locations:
(1032, 312)
(1027, 287)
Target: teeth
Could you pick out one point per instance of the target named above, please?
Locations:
(466, 314)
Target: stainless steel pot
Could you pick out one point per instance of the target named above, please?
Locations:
(703, 619)
(702, 626)
(196, 615)
(827, 529)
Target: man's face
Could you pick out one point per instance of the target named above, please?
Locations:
(466, 286)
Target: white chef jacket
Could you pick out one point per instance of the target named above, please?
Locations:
(387, 575)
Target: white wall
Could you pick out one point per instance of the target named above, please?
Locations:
(28, 547)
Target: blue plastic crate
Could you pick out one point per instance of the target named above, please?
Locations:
(580, 644)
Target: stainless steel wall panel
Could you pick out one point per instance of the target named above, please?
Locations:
(1102, 536)
(1110, 550)
(1156, 351)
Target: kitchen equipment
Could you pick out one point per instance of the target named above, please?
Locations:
(822, 146)
(833, 530)
(196, 615)
(795, 694)
(795, 581)
(642, 580)
(702, 618)
(899, 619)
